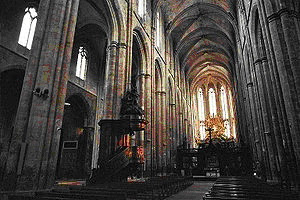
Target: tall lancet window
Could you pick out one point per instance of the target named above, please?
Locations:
(212, 102)
(141, 8)
(158, 29)
(28, 27)
(82, 62)
(201, 106)
(224, 103)
(201, 114)
(227, 128)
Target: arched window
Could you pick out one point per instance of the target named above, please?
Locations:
(227, 128)
(28, 27)
(224, 103)
(212, 102)
(158, 29)
(201, 106)
(201, 114)
(82, 62)
(141, 8)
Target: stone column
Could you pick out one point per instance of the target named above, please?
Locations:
(178, 131)
(35, 141)
(110, 77)
(253, 107)
(148, 132)
(290, 27)
(120, 74)
(163, 132)
(268, 148)
(280, 33)
(158, 130)
(89, 134)
(140, 137)
(173, 135)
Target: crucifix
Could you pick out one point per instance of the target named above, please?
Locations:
(210, 130)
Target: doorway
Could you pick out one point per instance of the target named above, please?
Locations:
(74, 140)
(11, 82)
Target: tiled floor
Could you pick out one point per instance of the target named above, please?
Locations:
(195, 191)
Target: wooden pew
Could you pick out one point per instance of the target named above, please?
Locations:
(246, 188)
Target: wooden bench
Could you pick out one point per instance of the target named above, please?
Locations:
(246, 188)
(153, 188)
(81, 195)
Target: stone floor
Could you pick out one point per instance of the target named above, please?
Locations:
(195, 191)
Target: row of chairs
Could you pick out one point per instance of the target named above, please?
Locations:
(237, 188)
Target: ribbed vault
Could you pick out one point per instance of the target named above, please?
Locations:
(203, 36)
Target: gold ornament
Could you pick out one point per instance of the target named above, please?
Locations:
(216, 126)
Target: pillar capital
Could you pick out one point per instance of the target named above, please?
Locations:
(115, 44)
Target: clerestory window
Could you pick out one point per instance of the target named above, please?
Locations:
(28, 27)
(224, 103)
(158, 30)
(201, 114)
(212, 102)
(141, 8)
(82, 62)
(201, 106)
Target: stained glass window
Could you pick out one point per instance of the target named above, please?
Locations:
(212, 102)
(224, 103)
(201, 114)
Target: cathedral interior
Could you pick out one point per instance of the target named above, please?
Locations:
(111, 90)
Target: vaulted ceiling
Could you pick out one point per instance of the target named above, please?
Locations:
(203, 35)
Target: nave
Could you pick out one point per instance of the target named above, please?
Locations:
(169, 188)
(102, 92)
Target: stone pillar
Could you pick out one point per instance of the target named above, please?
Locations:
(158, 131)
(173, 136)
(268, 150)
(140, 137)
(256, 133)
(110, 77)
(290, 27)
(35, 142)
(163, 132)
(88, 152)
(120, 84)
(178, 115)
(148, 132)
(254, 108)
(280, 32)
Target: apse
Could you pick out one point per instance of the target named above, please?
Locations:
(214, 106)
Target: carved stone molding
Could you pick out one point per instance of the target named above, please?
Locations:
(284, 11)
(115, 44)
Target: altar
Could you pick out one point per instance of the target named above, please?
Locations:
(215, 160)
